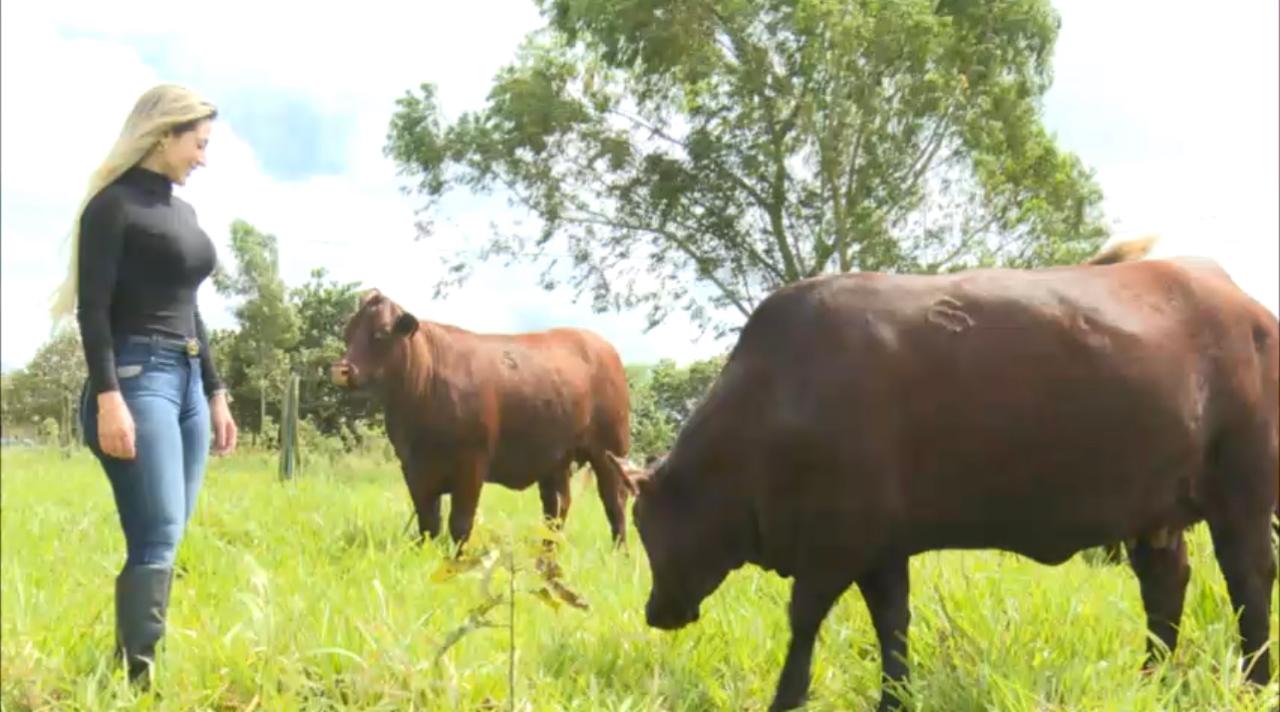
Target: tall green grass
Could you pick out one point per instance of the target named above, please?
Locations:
(311, 596)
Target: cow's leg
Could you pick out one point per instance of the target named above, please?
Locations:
(554, 490)
(426, 501)
(556, 497)
(884, 590)
(612, 495)
(1163, 573)
(811, 599)
(1243, 549)
(1240, 522)
(429, 517)
(465, 497)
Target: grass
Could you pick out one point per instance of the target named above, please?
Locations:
(310, 596)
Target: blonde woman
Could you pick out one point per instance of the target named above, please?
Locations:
(152, 394)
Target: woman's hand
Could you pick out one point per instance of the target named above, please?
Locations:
(224, 426)
(115, 426)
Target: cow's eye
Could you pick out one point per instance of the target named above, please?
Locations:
(381, 335)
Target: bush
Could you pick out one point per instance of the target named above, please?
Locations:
(49, 430)
(315, 447)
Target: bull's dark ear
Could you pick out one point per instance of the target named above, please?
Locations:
(406, 325)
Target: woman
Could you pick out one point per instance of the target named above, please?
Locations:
(152, 394)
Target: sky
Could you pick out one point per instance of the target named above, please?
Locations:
(1173, 106)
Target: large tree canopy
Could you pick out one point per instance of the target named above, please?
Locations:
(697, 154)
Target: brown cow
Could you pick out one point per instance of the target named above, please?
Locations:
(864, 418)
(463, 409)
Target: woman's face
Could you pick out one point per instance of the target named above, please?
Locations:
(184, 152)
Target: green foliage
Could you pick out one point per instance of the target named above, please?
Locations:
(677, 391)
(48, 388)
(662, 398)
(323, 307)
(320, 450)
(312, 596)
(257, 355)
(499, 562)
(48, 430)
(282, 331)
(697, 154)
(651, 431)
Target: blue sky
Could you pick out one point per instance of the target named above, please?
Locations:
(291, 137)
(1174, 106)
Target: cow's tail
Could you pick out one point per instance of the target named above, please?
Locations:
(1125, 251)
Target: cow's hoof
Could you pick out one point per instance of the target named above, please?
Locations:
(889, 703)
(782, 704)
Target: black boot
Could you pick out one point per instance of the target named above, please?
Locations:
(142, 601)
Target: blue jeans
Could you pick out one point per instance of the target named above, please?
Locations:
(155, 492)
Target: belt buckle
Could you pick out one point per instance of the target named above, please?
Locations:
(193, 347)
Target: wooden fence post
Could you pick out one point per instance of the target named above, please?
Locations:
(289, 459)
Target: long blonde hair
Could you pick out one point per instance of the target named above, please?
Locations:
(154, 115)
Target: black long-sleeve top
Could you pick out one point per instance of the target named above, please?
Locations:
(142, 258)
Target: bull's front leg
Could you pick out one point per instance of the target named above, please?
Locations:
(465, 497)
(812, 596)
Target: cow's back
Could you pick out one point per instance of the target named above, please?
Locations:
(1040, 411)
(543, 397)
(586, 371)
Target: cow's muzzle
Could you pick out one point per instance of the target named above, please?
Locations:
(343, 374)
(665, 615)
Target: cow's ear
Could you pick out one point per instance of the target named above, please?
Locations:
(641, 482)
(406, 325)
(368, 296)
(634, 479)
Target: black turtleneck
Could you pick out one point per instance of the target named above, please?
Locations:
(142, 258)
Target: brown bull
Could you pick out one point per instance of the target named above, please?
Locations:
(864, 418)
(463, 409)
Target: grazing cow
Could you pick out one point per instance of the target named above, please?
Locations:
(864, 418)
(463, 409)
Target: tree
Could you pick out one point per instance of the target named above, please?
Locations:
(258, 352)
(677, 391)
(747, 144)
(283, 331)
(49, 388)
(651, 431)
(663, 396)
(7, 403)
(323, 306)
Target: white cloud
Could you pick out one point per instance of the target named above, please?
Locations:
(52, 139)
(358, 225)
(335, 54)
(1176, 108)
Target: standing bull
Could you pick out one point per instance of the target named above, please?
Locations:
(864, 418)
(463, 409)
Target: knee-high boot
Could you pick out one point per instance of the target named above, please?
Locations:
(142, 603)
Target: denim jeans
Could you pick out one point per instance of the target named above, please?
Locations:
(155, 492)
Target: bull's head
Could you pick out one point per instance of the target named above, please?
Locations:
(682, 534)
(376, 336)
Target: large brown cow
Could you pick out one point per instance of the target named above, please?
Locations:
(463, 409)
(864, 418)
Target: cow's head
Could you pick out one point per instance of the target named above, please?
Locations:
(376, 335)
(683, 534)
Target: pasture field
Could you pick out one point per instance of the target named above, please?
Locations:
(310, 595)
